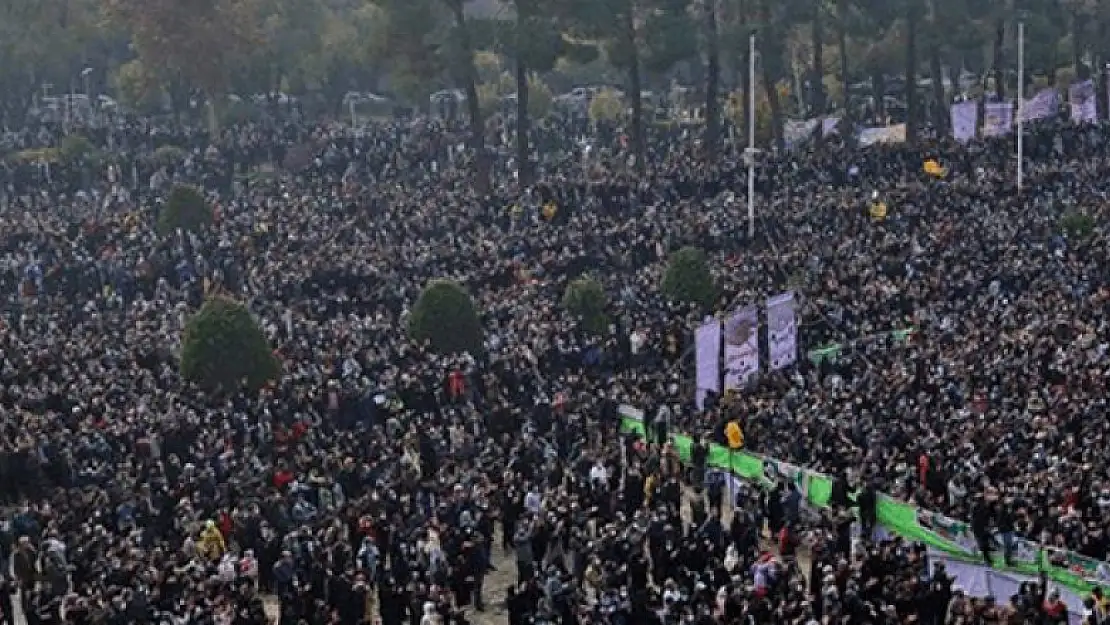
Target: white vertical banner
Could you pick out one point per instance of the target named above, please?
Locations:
(998, 118)
(707, 342)
(741, 347)
(1081, 97)
(965, 116)
(782, 330)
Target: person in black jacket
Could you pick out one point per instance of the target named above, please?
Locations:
(23, 564)
(839, 495)
(699, 456)
(1004, 521)
(981, 516)
(7, 613)
(868, 516)
(392, 603)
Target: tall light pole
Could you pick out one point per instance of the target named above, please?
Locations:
(85, 73)
(1021, 103)
(751, 136)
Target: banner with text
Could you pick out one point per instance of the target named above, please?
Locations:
(707, 341)
(779, 471)
(782, 331)
(1042, 105)
(998, 118)
(882, 134)
(796, 132)
(953, 538)
(965, 116)
(1081, 98)
(741, 347)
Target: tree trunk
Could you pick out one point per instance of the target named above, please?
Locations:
(936, 75)
(769, 87)
(214, 109)
(842, 48)
(997, 60)
(635, 85)
(878, 94)
(1076, 33)
(712, 137)
(1103, 82)
(523, 153)
(469, 76)
(769, 40)
(911, 72)
(746, 87)
(637, 115)
(817, 80)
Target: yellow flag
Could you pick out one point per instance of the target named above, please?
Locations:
(734, 435)
(933, 168)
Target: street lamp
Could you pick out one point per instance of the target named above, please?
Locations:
(85, 73)
(750, 154)
(85, 76)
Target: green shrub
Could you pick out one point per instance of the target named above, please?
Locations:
(75, 149)
(238, 111)
(224, 348)
(585, 299)
(606, 106)
(687, 278)
(540, 98)
(445, 317)
(1077, 224)
(185, 208)
(168, 155)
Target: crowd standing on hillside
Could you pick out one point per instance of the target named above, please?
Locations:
(374, 480)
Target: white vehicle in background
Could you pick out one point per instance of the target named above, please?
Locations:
(362, 106)
(447, 104)
(578, 100)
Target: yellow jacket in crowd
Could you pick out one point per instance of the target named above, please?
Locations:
(211, 544)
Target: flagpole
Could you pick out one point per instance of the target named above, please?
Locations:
(751, 136)
(1021, 103)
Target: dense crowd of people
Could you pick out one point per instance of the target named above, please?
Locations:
(378, 482)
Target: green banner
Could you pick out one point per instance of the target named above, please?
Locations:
(1077, 573)
(832, 352)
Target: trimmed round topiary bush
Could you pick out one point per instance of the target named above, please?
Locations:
(585, 299)
(446, 319)
(224, 348)
(688, 280)
(185, 208)
(1077, 224)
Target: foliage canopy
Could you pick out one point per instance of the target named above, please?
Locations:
(160, 55)
(225, 349)
(585, 299)
(185, 208)
(445, 317)
(687, 278)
